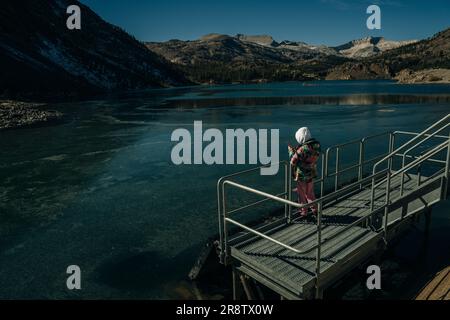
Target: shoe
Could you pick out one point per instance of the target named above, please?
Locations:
(304, 214)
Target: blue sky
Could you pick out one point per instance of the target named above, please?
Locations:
(330, 22)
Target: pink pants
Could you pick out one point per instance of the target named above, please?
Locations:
(306, 195)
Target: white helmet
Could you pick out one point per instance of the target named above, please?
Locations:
(303, 135)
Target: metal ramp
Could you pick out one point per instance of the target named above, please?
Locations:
(359, 212)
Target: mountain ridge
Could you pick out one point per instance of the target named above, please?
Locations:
(40, 56)
(431, 53)
(218, 58)
(353, 49)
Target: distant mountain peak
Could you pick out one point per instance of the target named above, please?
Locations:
(369, 39)
(264, 40)
(369, 46)
(292, 43)
(215, 37)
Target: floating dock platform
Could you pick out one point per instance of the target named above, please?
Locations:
(359, 213)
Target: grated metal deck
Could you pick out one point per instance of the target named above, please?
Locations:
(293, 275)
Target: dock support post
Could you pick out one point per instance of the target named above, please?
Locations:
(236, 285)
(319, 294)
(427, 220)
(318, 251)
(447, 173)
(248, 290)
(258, 290)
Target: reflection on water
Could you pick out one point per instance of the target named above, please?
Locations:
(350, 100)
(100, 191)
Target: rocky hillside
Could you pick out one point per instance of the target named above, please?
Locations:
(223, 58)
(356, 49)
(14, 114)
(224, 48)
(431, 53)
(424, 76)
(369, 47)
(263, 40)
(39, 56)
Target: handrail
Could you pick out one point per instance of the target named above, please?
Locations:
(321, 180)
(254, 204)
(420, 135)
(329, 196)
(220, 204)
(415, 157)
(337, 146)
(409, 133)
(262, 193)
(426, 139)
(246, 171)
(441, 147)
(287, 194)
(359, 140)
(361, 161)
(297, 205)
(418, 160)
(404, 168)
(269, 196)
(421, 159)
(376, 136)
(355, 166)
(405, 154)
(262, 235)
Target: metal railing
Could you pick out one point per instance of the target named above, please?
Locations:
(287, 194)
(362, 162)
(413, 144)
(372, 181)
(222, 208)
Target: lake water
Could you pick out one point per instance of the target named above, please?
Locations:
(99, 190)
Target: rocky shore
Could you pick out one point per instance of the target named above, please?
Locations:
(15, 114)
(424, 76)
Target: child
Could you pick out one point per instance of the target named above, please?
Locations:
(304, 164)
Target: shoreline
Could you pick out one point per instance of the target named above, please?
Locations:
(35, 101)
(18, 114)
(427, 76)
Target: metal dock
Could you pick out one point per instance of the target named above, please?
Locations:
(363, 205)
